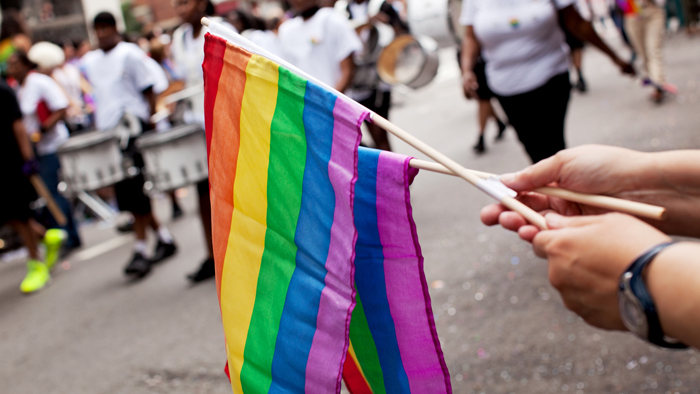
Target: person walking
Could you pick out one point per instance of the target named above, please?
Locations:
(645, 24)
(486, 111)
(18, 163)
(527, 63)
(123, 82)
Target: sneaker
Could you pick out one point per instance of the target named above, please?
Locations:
(480, 147)
(163, 251)
(53, 240)
(206, 270)
(139, 266)
(37, 277)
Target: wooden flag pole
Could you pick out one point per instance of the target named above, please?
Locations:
(614, 204)
(493, 187)
(43, 192)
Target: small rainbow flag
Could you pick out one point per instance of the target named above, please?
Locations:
(394, 347)
(282, 166)
(628, 7)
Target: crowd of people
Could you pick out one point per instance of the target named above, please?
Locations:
(520, 58)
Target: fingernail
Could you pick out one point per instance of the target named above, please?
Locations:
(554, 220)
(507, 178)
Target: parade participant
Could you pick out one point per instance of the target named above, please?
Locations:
(320, 42)
(188, 53)
(526, 63)
(645, 24)
(124, 82)
(44, 104)
(366, 88)
(590, 253)
(14, 35)
(18, 163)
(486, 111)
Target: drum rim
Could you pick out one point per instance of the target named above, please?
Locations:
(96, 137)
(155, 138)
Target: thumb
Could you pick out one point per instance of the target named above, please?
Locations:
(556, 221)
(537, 175)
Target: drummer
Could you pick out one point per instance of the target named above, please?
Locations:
(123, 82)
(366, 87)
(188, 52)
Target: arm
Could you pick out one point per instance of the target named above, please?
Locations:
(25, 146)
(470, 51)
(347, 71)
(54, 118)
(583, 30)
(150, 97)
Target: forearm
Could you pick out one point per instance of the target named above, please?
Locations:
(25, 146)
(583, 30)
(673, 279)
(54, 118)
(470, 51)
(347, 71)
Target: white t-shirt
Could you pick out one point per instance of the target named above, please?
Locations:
(521, 41)
(39, 89)
(319, 44)
(118, 78)
(68, 76)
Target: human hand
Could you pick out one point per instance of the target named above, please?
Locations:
(30, 167)
(587, 256)
(470, 85)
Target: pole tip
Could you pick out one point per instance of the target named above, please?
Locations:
(205, 21)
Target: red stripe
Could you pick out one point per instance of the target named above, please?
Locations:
(354, 380)
(212, 67)
(223, 131)
(226, 371)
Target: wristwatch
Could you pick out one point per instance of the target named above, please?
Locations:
(637, 308)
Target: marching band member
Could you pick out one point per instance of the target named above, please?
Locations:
(43, 104)
(18, 163)
(125, 82)
(188, 53)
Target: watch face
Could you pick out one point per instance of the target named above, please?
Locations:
(631, 310)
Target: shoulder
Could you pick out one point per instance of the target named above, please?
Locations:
(91, 56)
(6, 92)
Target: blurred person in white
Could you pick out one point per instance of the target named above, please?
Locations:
(645, 24)
(616, 271)
(320, 42)
(68, 76)
(125, 80)
(527, 66)
(44, 105)
(188, 52)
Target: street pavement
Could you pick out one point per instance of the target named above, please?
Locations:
(503, 328)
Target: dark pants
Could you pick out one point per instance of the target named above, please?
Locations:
(49, 174)
(538, 116)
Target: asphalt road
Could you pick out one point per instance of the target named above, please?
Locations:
(503, 328)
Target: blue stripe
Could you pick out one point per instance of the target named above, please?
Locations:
(369, 274)
(313, 237)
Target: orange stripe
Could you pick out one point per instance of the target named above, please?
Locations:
(223, 156)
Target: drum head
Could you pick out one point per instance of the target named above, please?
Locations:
(402, 61)
(155, 138)
(85, 140)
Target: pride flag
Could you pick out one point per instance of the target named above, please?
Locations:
(628, 7)
(394, 347)
(282, 166)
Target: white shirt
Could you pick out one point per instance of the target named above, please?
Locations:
(39, 89)
(118, 78)
(319, 44)
(521, 41)
(68, 76)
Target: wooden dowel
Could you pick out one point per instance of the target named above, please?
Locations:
(43, 192)
(606, 202)
(515, 205)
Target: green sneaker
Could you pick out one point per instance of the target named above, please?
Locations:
(37, 277)
(53, 240)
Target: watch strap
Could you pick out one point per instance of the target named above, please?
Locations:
(638, 287)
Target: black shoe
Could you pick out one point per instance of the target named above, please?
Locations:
(177, 212)
(126, 227)
(480, 148)
(139, 266)
(206, 271)
(163, 251)
(501, 129)
(581, 85)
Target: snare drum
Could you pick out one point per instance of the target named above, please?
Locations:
(438, 19)
(175, 158)
(91, 161)
(410, 61)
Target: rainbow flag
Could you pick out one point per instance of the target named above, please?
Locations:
(282, 168)
(394, 347)
(628, 7)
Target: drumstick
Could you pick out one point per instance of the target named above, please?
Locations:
(44, 193)
(614, 204)
(492, 186)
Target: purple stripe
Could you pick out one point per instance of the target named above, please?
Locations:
(337, 298)
(406, 286)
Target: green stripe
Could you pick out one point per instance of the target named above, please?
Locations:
(365, 349)
(284, 187)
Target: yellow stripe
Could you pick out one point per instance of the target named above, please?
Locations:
(351, 353)
(249, 219)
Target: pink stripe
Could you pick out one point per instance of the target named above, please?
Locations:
(406, 286)
(337, 298)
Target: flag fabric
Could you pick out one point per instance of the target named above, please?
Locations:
(282, 167)
(394, 347)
